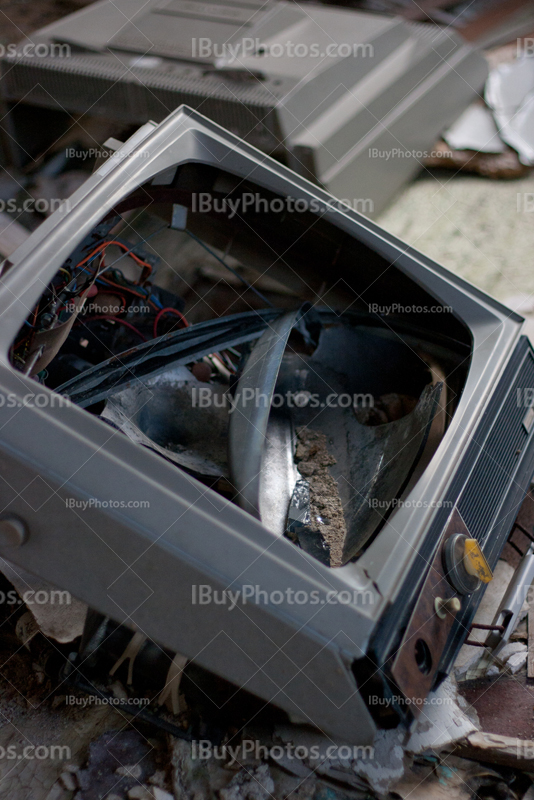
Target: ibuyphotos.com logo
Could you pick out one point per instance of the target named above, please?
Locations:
(204, 595)
(253, 749)
(231, 52)
(204, 397)
(253, 202)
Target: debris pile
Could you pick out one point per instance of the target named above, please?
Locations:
(493, 138)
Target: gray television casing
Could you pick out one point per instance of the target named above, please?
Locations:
(138, 565)
(358, 119)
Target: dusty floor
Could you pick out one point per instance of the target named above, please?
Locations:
(480, 229)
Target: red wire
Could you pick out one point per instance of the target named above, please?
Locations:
(163, 311)
(103, 246)
(121, 322)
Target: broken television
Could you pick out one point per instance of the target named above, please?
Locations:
(300, 400)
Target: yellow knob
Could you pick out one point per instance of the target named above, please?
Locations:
(474, 561)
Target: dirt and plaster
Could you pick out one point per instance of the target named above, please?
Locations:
(44, 741)
(313, 460)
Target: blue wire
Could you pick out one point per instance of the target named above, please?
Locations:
(156, 301)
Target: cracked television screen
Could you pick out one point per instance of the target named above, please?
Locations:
(243, 338)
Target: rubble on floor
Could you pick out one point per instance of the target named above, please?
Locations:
(450, 778)
(119, 762)
(119, 757)
(64, 732)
